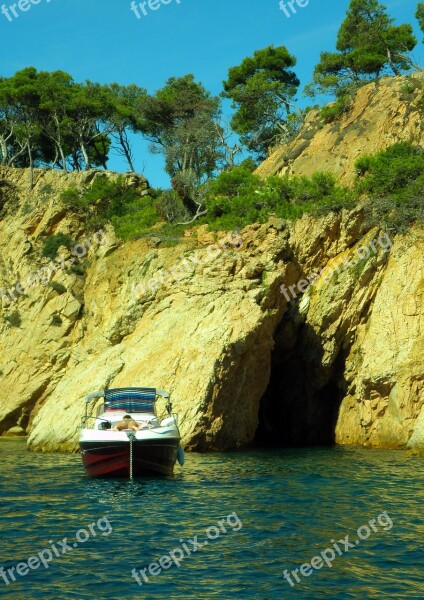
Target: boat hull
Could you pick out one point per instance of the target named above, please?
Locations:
(112, 458)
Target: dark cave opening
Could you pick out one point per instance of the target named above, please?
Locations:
(301, 404)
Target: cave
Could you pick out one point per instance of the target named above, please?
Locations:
(301, 403)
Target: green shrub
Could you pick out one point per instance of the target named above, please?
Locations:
(332, 112)
(237, 181)
(394, 181)
(26, 208)
(171, 208)
(140, 218)
(103, 198)
(14, 319)
(249, 163)
(390, 170)
(106, 200)
(396, 214)
(78, 270)
(46, 190)
(245, 198)
(408, 88)
(56, 320)
(54, 242)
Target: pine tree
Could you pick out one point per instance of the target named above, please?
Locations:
(420, 16)
(262, 88)
(369, 45)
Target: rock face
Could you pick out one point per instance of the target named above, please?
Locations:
(385, 366)
(360, 341)
(381, 115)
(202, 328)
(227, 323)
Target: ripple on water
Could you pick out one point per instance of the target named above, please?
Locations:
(292, 503)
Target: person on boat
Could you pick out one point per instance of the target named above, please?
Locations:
(126, 423)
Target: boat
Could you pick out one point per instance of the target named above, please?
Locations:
(110, 448)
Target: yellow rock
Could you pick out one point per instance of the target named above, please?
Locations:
(208, 320)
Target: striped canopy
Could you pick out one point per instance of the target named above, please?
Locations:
(130, 399)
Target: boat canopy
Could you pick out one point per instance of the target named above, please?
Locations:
(129, 399)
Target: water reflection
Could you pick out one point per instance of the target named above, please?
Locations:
(291, 503)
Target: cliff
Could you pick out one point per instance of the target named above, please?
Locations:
(381, 114)
(228, 323)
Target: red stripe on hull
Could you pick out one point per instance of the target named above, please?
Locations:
(113, 460)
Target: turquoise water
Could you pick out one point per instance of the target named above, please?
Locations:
(279, 509)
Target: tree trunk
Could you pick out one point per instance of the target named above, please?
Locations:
(127, 151)
(62, 157)
(13, 158)
(85, 155)
(58, 142)
(56, 156)
(392, 66)
(31, 170)
(3, 146)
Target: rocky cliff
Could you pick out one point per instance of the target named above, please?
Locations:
(381, 114)
(302, 333)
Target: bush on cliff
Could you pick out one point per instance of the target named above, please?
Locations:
(102, 199)
(105, 200)
(394, 180)
(341, 106)
(14, 319)
(140, 217)
(54, 242)
(238, 198)
(391, 170)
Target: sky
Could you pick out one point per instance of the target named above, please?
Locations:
(104, 41)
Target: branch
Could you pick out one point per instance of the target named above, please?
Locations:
(199, 213)
(409, 61)
(21, 151)
(289, 104)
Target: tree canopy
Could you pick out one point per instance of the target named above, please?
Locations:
(49, 119)
(182, 122)
(420, 16)
(368, 46)
(262, 88)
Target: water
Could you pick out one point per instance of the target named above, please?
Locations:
(288, 505)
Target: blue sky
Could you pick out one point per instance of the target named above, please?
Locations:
(103, 40)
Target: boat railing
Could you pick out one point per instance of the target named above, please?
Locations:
(135, 399)
(87, 418)
(128, 399)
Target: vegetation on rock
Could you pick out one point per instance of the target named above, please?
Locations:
(54, 242)
(49, 120)
(390, 181)
(262, 89)
(368, 46)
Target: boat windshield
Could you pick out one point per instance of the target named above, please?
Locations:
(106, 407)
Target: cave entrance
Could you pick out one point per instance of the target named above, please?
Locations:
(301, 404)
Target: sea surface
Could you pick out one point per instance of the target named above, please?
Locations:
(262, 513)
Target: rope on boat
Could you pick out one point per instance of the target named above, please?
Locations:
(131, 438)
(131, 457)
